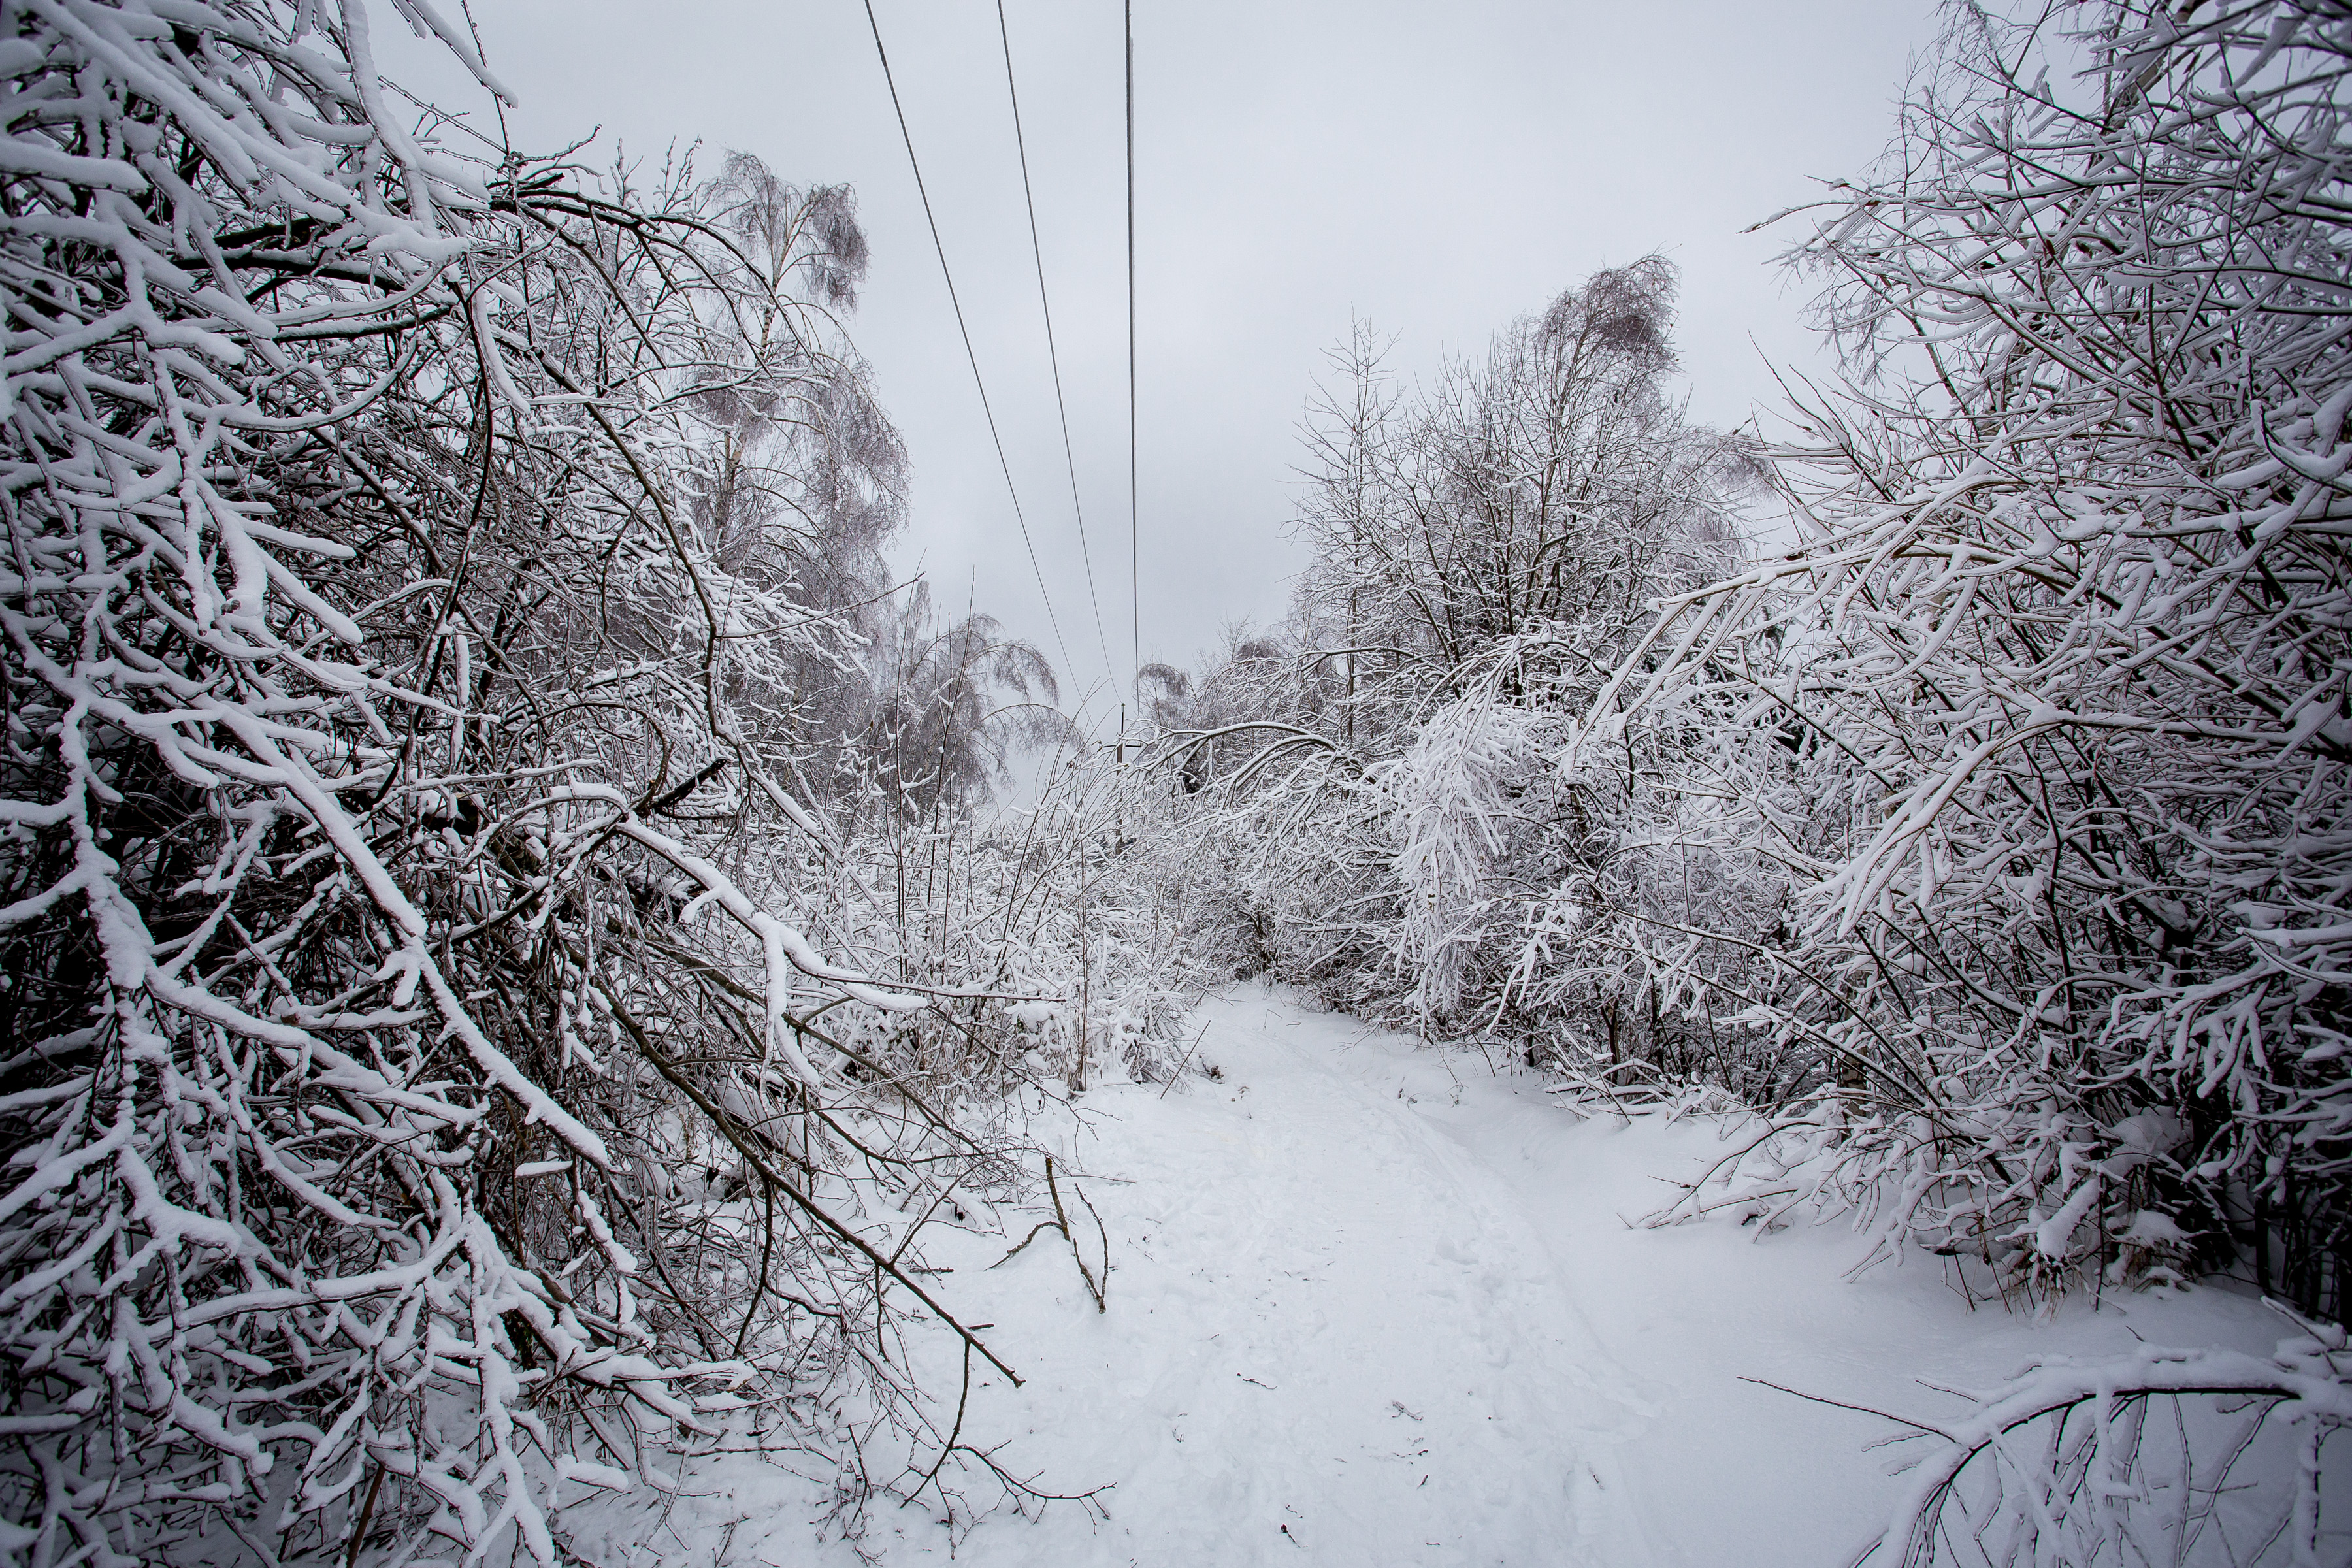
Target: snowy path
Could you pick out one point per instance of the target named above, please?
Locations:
(1366, 1311)
(1330, 1331)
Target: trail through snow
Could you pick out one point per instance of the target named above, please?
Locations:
(1372, 1303)
(1331, 1331)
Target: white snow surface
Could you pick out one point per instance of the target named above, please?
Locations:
(1376, 1303)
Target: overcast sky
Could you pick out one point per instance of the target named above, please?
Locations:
(1434, 169)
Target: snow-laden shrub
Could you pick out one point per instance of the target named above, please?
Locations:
(1453, 796)
(1558, 896)
(2160, 1456)
(422, 1104)
(2045, 724)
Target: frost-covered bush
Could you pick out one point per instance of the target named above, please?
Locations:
(2160, 1456)
(422, 1104)
(2044, 726)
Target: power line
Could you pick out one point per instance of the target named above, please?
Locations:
(1134, 567)
(915, 164)
(1053, 355)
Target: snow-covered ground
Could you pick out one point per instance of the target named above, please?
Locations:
(1372, 1304)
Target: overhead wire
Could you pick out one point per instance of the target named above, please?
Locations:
(1053, 353)
(1134, 559)
(969, 356)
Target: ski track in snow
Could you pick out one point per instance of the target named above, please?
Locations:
(1372, 1304)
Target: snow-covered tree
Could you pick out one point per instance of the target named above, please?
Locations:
(1482, 556)
(416, 1103)
(2042, 728)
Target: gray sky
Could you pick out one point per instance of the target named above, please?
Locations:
(1436, 170)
